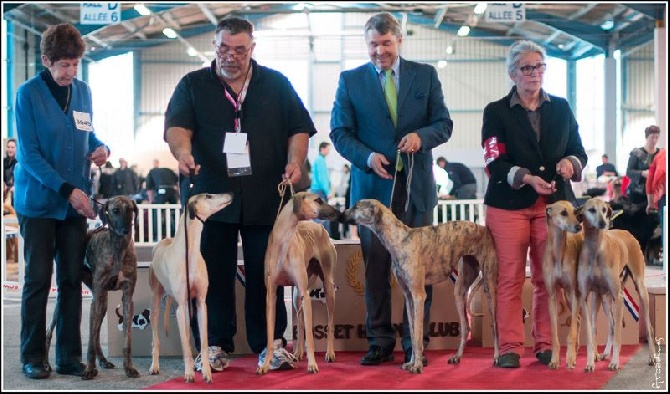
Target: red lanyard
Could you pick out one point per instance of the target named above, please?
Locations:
(237, 105)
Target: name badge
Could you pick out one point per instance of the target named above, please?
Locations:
(235, 143)
(82, 120)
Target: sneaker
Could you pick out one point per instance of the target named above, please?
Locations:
(281, 358)
(218, 360)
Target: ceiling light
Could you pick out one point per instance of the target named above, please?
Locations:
(169, 33)
(192, 52)
(480, 8)
(450, 49)
(142, 9)
(464, 31)
(441, 64)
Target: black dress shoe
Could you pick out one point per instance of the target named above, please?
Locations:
(408, 357)
(76, 369)
(377, 355)
(35, 370)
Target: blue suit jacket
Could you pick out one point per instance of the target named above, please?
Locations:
(360, 124)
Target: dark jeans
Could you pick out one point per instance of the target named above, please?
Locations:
(377, 261)
(46, 240)
(219, 249)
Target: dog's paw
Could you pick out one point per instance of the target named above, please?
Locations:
(189, 377)
(131, 372)
(312, 368)
(207, 377)
(89, 373)
(613, 366)
(588, 368)
(154, 370)
(104, 363)
(330, 357)
(457, 359)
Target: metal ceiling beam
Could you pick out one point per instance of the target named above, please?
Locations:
(208, 14)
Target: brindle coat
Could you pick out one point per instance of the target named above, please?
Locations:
(111, 265)
(428, 255)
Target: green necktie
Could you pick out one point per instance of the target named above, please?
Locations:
(391, 96)
(392, 101)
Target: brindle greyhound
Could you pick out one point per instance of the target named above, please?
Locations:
(427, 255)
(111, 264)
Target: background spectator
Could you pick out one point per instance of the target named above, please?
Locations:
(8, 163)
(638, 165)
(465, 183)
(321, 186)
(125, 181)
(606, 168)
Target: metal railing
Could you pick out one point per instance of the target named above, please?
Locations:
(158, 221)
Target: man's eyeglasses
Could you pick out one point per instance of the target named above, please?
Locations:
(236, 52)
(528, 70)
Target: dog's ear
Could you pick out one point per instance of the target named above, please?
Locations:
(136, 210)
(547, 213)
(191, 210)
(578, 213)
(104, 213)
(297, 203)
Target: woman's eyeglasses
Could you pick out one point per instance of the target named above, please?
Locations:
(528, 70)
(236, 52)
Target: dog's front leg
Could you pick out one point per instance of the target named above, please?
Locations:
(330, 305)
(185, 338)
(204, 342)
(128, 313)
(299, 343)
(270, 299)
(414, 304)
(553, 315)
(590, 337)
(157, 290)
(573, 335)
(312, 366)
(99, 302)
(618, 325)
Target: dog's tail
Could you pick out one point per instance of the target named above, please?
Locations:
(166, 314)
(473, 289)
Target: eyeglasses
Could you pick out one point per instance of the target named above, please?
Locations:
(236, 52)
(528, 70)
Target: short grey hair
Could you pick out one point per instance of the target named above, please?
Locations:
(520, 48)
(383, 23)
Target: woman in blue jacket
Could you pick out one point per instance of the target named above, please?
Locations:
(56, 147)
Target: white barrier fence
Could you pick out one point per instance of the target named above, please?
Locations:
(158, 221)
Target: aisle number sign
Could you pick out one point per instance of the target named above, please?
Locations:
(505, 12)
(100, 13)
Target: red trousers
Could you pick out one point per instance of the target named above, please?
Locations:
(519, 235)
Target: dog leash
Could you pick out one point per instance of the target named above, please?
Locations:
(281, 188)
(398, 168)
(188, 281)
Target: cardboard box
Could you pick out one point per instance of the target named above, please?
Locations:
(142, 336)
(350, 308)
(657, 314)
(629, 333)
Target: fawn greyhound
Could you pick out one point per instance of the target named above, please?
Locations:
(606, 256)
(298, 252)
(167, 274)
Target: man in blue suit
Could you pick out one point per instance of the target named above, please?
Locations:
(388, 138)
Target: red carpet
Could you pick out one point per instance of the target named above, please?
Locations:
(475, 372)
